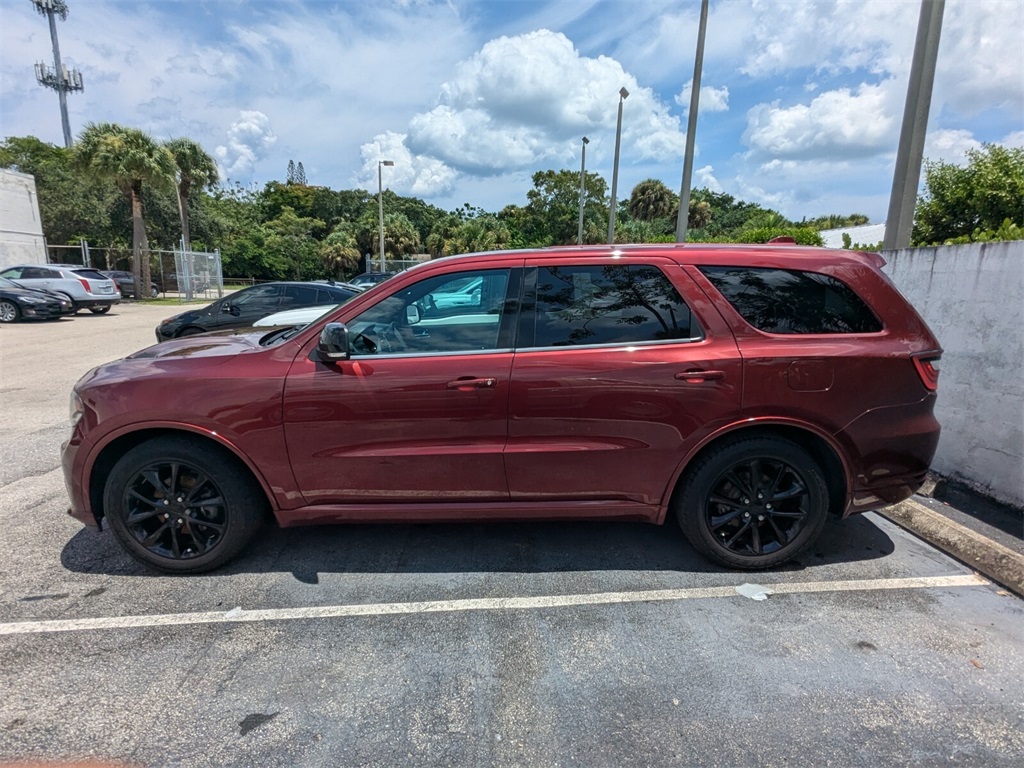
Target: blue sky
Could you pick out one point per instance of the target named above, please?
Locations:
(801, 101)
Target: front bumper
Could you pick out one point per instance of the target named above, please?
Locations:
(80, 508)
(42, 311)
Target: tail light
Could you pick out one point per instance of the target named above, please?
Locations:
(85, 284)
(927, 364)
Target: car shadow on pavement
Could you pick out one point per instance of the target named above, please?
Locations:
(477, 547)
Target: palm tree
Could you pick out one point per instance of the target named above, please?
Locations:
(195, 168)
(129, 158)
(650, 200)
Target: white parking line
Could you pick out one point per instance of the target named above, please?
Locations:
(238, 615)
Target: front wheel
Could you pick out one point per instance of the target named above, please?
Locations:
(100, 310)
(753, 502)
(182, 506)
(9, 312)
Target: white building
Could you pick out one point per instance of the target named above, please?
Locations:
(21, 229)
(866, 234)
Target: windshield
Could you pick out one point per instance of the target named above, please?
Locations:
(5, 283)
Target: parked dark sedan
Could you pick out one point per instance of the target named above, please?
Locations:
(17, 303)
(126, 283)
(243, 308)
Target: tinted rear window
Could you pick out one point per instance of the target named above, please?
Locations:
(90, 274)
(626, 304)
(793, 302)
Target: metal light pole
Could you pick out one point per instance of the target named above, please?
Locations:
(380, 206)
(683, 218)
(907, 174)
(583, 188)
(623, 93)
(61, 79)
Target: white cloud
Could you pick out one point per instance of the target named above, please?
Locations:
(835, 124)
(417, 175)
(949, 145)
(1015, 139)
(249, 140)
(706, 178)
(525, 101)
(711, 99)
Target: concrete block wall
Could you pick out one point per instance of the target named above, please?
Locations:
(972, 297)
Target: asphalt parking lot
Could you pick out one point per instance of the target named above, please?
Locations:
(588, 644)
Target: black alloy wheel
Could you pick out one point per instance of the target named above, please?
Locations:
(100, 310)
(181, 505)
(754, 503)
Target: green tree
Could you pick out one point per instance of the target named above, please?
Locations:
(71, 206)
(971, 201)
(195, 169)
(290, 249)
(129, 158)
(551, 214)
(339, 252)
(651, 199)
(835, 221)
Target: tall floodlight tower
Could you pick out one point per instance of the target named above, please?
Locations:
(60, 78)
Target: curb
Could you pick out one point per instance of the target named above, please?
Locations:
(988, 557)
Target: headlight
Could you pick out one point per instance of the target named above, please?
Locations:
(75, 409)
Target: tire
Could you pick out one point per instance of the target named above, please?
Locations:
(212, 486)
(154, 292)
(100, 310)
(9, 312)
(753, 503)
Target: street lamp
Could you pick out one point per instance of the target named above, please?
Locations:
(683, 217)
(380, 206)
(623, 93)
(583, 183)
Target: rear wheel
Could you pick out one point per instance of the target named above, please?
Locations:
(154, 292)
(100, 310)
(753, 502)
(9, 312)
(182, 506)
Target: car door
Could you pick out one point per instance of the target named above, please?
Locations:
(620, 368)
(419, 413)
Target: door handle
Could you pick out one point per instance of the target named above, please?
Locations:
(466, 383)
(698, 376)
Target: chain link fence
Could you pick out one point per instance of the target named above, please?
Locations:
(186, 275)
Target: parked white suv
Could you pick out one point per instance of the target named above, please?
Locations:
(85, 287)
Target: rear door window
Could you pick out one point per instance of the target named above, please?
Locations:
(793, 302)
(298, 296)
(622, 304)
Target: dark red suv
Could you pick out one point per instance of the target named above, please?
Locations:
(747, 391)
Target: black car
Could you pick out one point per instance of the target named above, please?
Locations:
(126, 283)
(243, 308)
(17, 303)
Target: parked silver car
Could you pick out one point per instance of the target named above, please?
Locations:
(86, 288)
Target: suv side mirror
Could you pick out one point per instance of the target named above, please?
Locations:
(333, 344)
